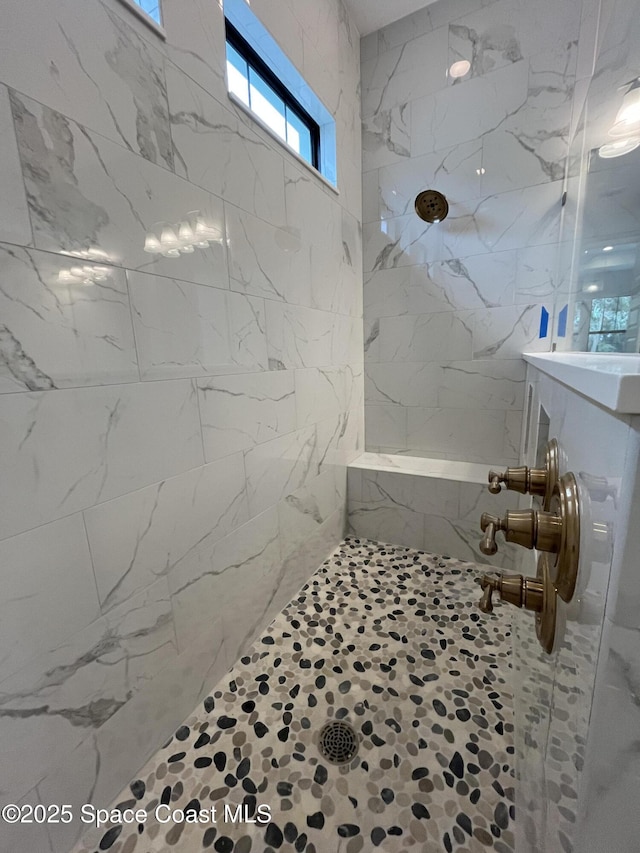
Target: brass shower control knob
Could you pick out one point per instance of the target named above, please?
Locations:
(538, 595)
(515, 589)
(532, 481)
(527, 527)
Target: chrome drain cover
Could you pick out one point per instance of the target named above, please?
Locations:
(338, 742)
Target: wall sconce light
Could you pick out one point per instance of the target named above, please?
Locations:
(625, 131)
(183, 238)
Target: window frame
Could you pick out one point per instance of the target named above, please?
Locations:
(255, 62)
(145, 17)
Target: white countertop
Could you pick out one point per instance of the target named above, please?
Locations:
(610, 379)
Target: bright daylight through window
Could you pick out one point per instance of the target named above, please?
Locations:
(151, 7)
(252, 81)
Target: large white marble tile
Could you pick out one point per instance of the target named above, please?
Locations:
(142, 536)
(184, 329)
(55, 702)
(483, 384)
(66, 450)
(238, 412)
(402, 241)
(403, 383)
(58, 334)
(386, 136)
(217, 151)
(458, 114)
(531, 145)
(503, 33)
(507, 332)
(49, 590)
(320, 394)
(268, 260)
(304, 511)
(404, 73)
(92, 67)
(278, 467)
(425, 337)
(195, 42)
(451, 430)
(512, 220)
(385, 426)
(429, 495)
(456, 172)
(15, 225)
(88, 194)
(26, 837)
(397, 525)
(305, 337)
(481, 281)
(220, 594)
(460, 539)
(537, 276)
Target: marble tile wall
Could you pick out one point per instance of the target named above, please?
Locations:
(450, 306)
(175, 435)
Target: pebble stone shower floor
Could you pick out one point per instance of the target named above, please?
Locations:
(390, 640)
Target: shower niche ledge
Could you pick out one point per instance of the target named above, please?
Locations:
(610, 379)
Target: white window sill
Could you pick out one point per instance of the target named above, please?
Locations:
(146, 19)
(245, 109)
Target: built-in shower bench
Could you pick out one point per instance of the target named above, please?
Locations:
(419, 502)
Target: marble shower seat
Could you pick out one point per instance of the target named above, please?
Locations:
(430, 504)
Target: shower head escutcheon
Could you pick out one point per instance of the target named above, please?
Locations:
(431, 206)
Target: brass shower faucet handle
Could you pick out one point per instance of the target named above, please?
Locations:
(527, 527)
(538, 595)
(532, 481)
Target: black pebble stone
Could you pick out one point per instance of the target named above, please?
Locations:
(203, 740)
(223, 845)
(220, 760)
(192, 806)
(183, 732)
(226, 723)
(501, 816)
(209, 836)
(420, 811)
(378, 835)
(243, 768)
(283, 734)
(138, 788)
(273, 836)
(301, 842)
(284, 789)
(109, 837)
(419, 773)
(465, 823)
(248, 706)
(367, 727)
(439, 708)
(260, 729)
(209, 704)
(264, 688)
(316, 820)
(457, 765)
(178, 756)
(290, 832)
(165, 799)
(387, 795)
(320, 775)
(348, 830)
(204, 761)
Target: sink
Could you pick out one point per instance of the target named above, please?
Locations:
(610, 379)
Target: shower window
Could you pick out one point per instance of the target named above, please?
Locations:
(251, 81)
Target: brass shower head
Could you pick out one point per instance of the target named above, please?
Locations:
(431, 206)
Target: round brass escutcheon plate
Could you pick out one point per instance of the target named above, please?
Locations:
(566, 504)
(546, 618)
(552, 465)
(431, 206)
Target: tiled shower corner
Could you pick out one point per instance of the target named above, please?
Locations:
(390, 641)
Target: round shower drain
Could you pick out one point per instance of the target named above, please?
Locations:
(337, 742)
